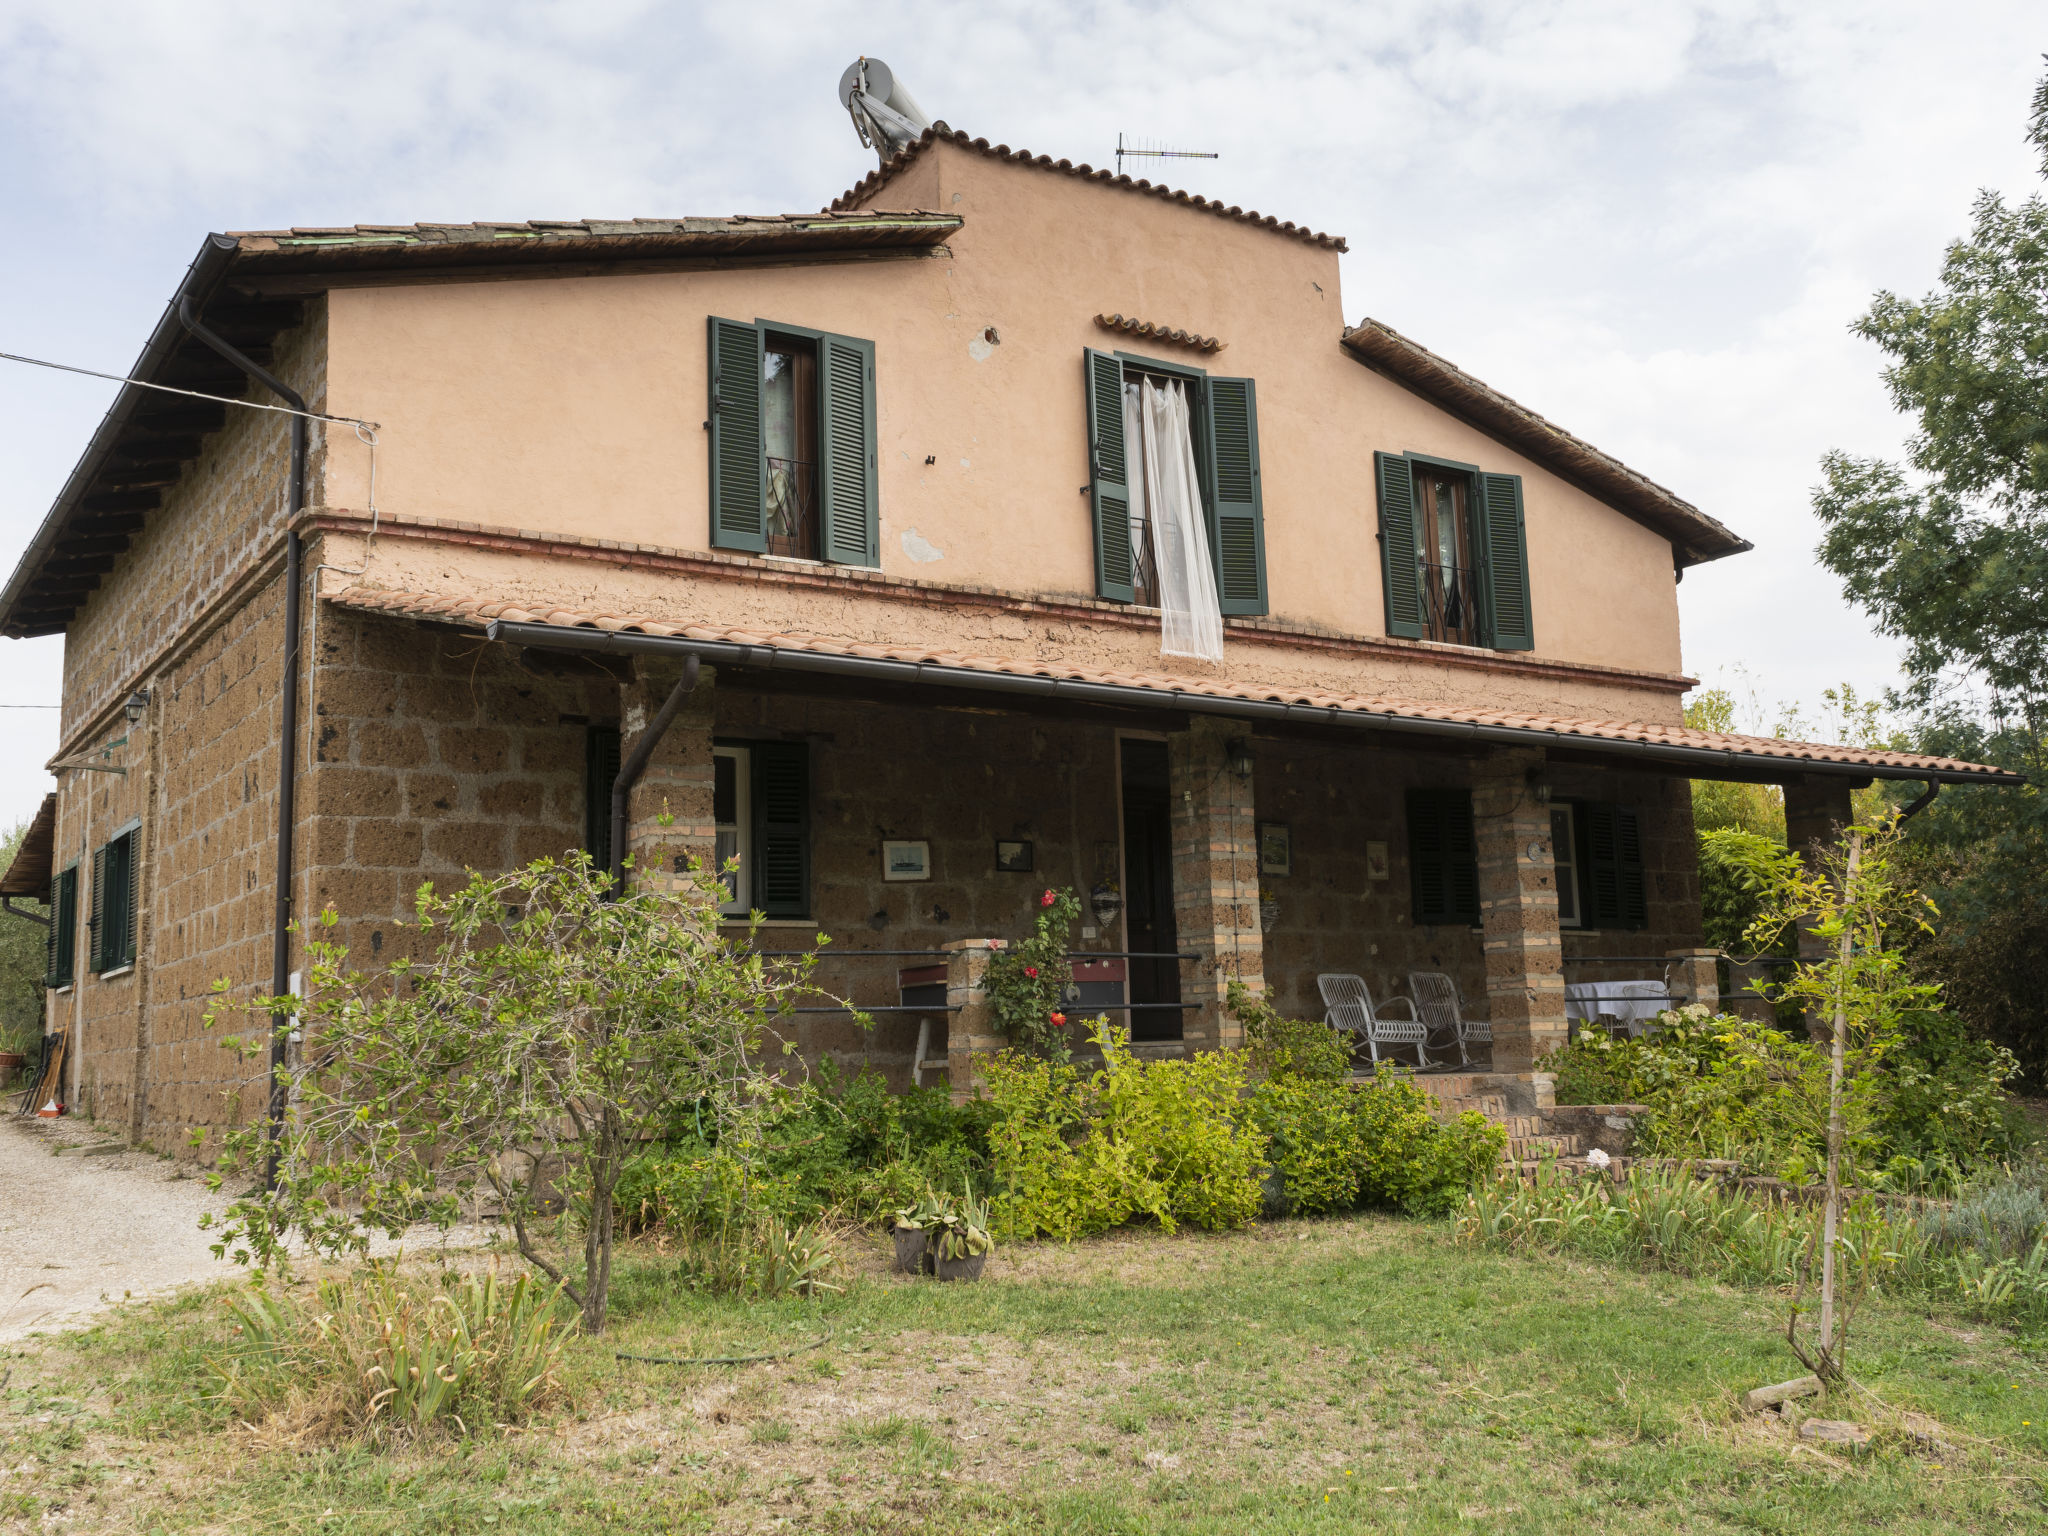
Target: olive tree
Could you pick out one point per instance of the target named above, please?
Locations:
(553, 1029)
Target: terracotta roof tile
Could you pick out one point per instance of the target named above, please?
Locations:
(478, 612)
(940, 131)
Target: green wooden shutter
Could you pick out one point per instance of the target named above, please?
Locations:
(1616, 892)
(96, 950)
(1504, 564)
(782, 828)
(1443, 858)
(1401, 577)
(1109, 493)
(129, 889)
(61, 941)
(739, 473)
(600, 772)
(846, 443)
(1239, 535)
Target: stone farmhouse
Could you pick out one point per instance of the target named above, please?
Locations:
(872, 475)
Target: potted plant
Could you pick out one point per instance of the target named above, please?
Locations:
(964, 1243)
(916, 1230)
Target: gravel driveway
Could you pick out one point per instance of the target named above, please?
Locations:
(82, 1233)
(77, 1233)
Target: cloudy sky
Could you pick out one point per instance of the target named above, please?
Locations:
(1651, 221)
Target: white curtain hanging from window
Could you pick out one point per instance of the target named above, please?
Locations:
(1166, 504)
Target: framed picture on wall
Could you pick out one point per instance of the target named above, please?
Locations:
(1276, 849)
(907, 860)
(1013, 858)
(1375, 861)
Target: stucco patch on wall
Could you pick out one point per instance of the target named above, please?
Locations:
(919, 548)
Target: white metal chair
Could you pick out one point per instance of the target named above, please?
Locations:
(1436, 999)
(1350, 1007)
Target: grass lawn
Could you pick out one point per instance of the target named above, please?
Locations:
(1358, 1374)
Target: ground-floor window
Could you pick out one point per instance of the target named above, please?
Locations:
(731, 801)
(113, 903)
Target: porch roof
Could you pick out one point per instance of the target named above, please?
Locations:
(559, 628)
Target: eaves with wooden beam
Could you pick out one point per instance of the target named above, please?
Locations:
(1695, 537)
(250, 287)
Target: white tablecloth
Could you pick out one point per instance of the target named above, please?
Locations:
(1628, 1002)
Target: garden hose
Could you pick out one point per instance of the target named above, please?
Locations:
(773, 1354)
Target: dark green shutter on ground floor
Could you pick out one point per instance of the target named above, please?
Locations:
(600, 772)
(1443, 857)
(782, 828)
(62, 940)
(1611, 853)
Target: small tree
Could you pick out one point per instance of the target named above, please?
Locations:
(555, 1029)
(1027, 983)
(1852, 902)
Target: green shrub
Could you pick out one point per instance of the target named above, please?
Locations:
(1728, 1087)
(835, 1146)
(1311, 1128)
(1282, 1047)
(1411, 1161)
(1076, 1155)
(384, 1358)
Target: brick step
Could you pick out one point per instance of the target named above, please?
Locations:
(1523, 1148)
(1575, 1167)
(1492, 1107)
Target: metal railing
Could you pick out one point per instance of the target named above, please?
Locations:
(793, 508)
(1450, 603)
(835, 954)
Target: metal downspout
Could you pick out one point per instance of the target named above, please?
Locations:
(1926, 798)
(636, 764)
(288, 743)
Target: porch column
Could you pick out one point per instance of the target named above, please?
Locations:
(669, 814)
(1695, 977)
(971, 1026)
(1817, 812)
(1518, 911)
(1215, 878)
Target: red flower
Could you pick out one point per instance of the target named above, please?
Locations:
(1031, 971)
(1047, 899)
(1060, 1020)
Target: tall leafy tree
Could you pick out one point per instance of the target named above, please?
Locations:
(1949, 552)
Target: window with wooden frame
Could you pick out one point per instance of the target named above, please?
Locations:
(1454, 558)
(62, 939)
(1225, 416)
(732, 795)
(112, 925)
(792, 428)
(779, 813)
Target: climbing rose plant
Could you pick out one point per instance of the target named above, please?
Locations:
(1027, 983)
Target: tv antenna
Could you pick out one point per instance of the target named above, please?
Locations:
(1142, 150)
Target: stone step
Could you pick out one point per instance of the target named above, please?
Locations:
(1521, 1149)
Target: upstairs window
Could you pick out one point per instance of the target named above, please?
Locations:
(1454, 555)
(1224, 427)
(792, 426)
(113, 903)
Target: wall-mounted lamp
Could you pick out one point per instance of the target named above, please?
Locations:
(1237, 756)
(137, 706)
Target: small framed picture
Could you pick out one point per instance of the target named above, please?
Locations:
(1375, 861)
(907, 860)
(1013, 858)
(1276, 849)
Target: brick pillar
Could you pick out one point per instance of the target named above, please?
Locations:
(1695, 977)
(1518, 911)
(1215, 879)
(1817, 811)
(971, 1027)
(669, 814)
